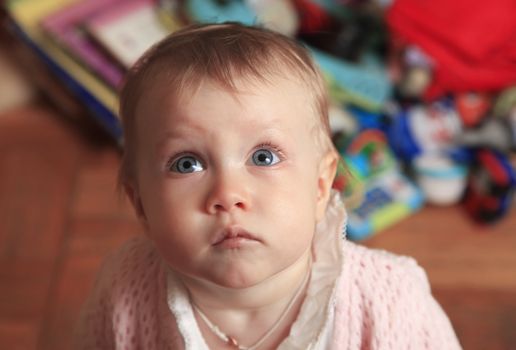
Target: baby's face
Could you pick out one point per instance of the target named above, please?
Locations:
(229, 184)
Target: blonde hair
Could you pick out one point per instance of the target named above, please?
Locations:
(222, 53)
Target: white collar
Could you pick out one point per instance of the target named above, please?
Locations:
(313, 327)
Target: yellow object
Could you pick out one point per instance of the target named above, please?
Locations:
(27, 14)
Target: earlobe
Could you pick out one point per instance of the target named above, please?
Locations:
(327, 171)
(136, 201)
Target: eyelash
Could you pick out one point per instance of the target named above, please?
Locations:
(267, 145)
(178, 156)
(271, 146)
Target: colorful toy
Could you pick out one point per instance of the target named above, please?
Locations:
(495, 133)
(386, 195)
(440, 178)
(346, 31)
(491, 187)
(505, 103)
(341, 121)
(415, 75)
(472, 107)
(419, 130)
(365, 85)
(219, 11)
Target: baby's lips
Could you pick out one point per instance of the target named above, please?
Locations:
(233, 232)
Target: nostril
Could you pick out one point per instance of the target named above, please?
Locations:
(218, 207)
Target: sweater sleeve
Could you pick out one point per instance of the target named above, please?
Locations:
(385, 302)
(93, 329)
(125, 306)
(419, 320)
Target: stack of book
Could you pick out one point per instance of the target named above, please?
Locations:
(89, 45)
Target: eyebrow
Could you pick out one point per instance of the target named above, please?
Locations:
(184, 129)
(168, 136)
(181, 131)
(269, 126)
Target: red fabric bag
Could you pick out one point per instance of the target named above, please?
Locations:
(472, 43)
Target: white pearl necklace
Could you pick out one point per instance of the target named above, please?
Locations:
(232, 341)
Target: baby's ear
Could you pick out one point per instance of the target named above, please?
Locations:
(326, 175)
(136, 201)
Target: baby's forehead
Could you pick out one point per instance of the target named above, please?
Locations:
(176, 94)
(264, 104)
(277, 97)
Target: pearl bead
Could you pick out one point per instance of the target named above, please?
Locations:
(232, 341)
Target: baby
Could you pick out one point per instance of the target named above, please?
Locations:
(229, 165)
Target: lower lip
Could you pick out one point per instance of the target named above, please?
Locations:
(235, 243)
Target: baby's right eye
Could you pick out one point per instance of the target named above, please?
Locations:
(186, 165)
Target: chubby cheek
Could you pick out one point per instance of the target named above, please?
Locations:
(293, 205)
(171, 219)
(178, 238)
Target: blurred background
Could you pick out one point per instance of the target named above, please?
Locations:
(423, 112)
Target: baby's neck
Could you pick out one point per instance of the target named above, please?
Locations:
(249, 313)
(263, 295)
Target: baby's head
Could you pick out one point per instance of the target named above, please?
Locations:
(225, 54)
(228, 157)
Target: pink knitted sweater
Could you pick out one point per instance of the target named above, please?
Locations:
(378, 301)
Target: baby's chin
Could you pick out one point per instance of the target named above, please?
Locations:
(253, 278)
(222, 280)
(239, 280)
(241, 274)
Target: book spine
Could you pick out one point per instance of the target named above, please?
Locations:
(101, 113)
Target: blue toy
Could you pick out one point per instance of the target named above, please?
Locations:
(371, 168)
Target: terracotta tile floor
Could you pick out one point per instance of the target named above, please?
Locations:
(60, 215)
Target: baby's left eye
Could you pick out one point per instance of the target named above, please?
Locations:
(265, 157)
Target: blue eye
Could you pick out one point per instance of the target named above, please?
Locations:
(265, 157)
(186, 165)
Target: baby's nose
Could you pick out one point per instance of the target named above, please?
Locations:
(227, 194)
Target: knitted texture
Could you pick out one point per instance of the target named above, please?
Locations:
(382, 301)
(128, 309)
